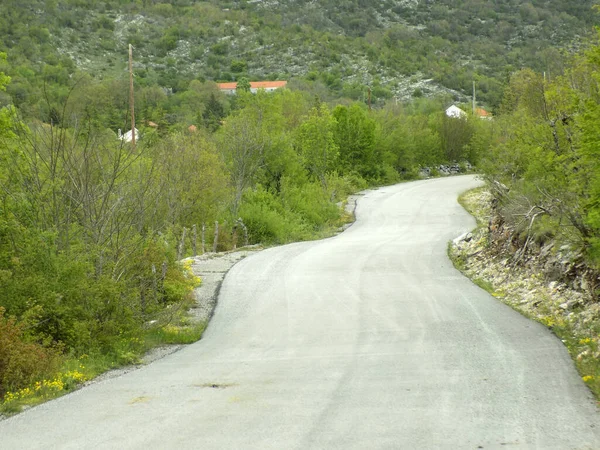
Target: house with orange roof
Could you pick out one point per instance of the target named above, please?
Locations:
(483, 114)
(457, 113)
(255, 86)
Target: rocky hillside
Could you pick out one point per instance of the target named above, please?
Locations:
(400, 48)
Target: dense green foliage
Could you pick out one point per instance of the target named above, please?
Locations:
(544, 163)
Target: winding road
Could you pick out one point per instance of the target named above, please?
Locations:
(368, 340)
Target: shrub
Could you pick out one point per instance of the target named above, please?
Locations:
(312, 203)
(268, 221)
(22, 362)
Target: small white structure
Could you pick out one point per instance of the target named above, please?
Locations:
(455, 112)
(127, 136)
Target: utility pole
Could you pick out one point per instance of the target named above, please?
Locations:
(473, 97)
(131, 97)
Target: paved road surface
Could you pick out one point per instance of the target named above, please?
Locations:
(369, 340)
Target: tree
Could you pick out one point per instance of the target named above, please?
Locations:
(542, 163)
(315, 142)
(4, 79)
(238, 66)
(355, 134)
(243, 144)
(194, 187)
(455, 134)
(213, 113)
(243, 85)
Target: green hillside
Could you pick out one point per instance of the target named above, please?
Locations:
(399, 48)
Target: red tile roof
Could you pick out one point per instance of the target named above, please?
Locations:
(227, 85)
(482, 112)
(267, 84)
(255, 85)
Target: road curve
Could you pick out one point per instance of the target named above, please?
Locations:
(368, 340)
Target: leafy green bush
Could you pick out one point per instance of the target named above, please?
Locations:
(268, 221)
(311, 203)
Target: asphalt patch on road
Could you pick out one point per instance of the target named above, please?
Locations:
(215, 385)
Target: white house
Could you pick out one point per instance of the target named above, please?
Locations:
(127, 136)
(456, 112)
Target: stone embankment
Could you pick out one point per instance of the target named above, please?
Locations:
(548, 284)
(445, 170)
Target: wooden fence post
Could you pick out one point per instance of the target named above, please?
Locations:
(245, 232)
(181, 248)
(142, 296)
(163, 276)
(234, 234)
(154, 284)
(216, 241)
(194, 240)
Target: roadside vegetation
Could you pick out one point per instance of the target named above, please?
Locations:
(540, 237)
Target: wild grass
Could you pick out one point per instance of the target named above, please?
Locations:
(472, 202)
(173, 334)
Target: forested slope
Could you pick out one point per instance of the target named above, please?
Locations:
(397, 48)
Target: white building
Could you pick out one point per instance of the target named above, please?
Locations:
(456, 112)
(127, 136)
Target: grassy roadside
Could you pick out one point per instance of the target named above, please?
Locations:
(68, 372)
(569, 314)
